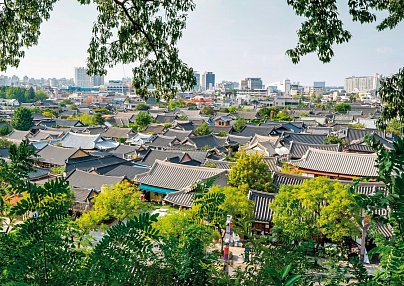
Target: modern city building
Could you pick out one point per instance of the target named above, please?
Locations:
(319, 84)
(81, 77)
(97, 80)
(360, 84)
(117, 86)
(254, 83)
(197, 76)
(208, 81)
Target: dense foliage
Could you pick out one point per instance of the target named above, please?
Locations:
(22, 94)
(22, 119)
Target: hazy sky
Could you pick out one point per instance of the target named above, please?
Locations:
(233, 38)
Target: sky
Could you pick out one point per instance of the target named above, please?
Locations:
(234, 39)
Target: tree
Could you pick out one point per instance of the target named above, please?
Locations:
(4, 130)
(97, 119)
(319, 208)
(143, 119)
(142, 106)
(342, 107)
(239, 124)
(4, 143)
(40, 95)
(282, 116)
(207, 110)
(251, 170)
(238, 206)
(118, 202)
(323, 27)
(357, 126)
(22, 119)
(334, 139)
(202, 129)
(395, 127)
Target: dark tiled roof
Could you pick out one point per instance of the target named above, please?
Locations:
(152, 155)
(184, 198)
(210, 140)
(218, 129)
(220, 164)
(272, 163)
(363, 148)
(297, 149)
(240, 140)
(17, 135)
(262, 200)
(176, 176)
(251, 130)
(164, 118)
(92, 162)
(319, 130)
(116, 132)
(161, 141)
(81, 195)
(123, 150)
(128, 169)
(351, 164)
(84, 180)
(304, 138)
(353, 134)
(181, 135)
(154, 129)
(55, 155)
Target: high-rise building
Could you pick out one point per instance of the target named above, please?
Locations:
(362, 83)
(81, 77)
(254, 83)
(197, 76)
(208, 81)
(97, 80)
(319, 84)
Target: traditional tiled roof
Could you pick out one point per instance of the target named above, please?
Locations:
(353, 134)
(272, 163)
(251, 130)
(351, 164)
(218, 129)
(116, 132)
(55, 155)
(46, 135)
(165, 118)
(262, 200)
(85, 180)
(361, 148)
(124, 150)
(210, 141)
(297, 149)
(81, 195)
(220, 164)
(181, 135)
(83, 141)
(248, 115)
(176, 176)
(152, 155)
(161, 141)
(304, 138)
(92, 162)
(154, 129)
(128, 169)
(17, 135)
(319, 130)
(184, 198)
(240, 140)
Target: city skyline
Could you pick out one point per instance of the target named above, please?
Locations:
(232, 43)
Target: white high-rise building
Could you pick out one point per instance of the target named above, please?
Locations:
(360, 84)
(81, 78)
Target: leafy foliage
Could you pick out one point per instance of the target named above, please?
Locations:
(334, 139)
(357, 126)
(316, 209)
(323, 28)
(251, 170)
(119, 202)
(207, 110)
(239, 124)
(22, 119)
(342, 107)
(202, 129)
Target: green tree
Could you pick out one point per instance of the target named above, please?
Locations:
(40, 95)
(118, 202)
(319, 208)
(395, 127)
(202, 129)
(22, 119)
(357, 126)
(143, 119)
(97, 119)
(5, 143)
(4, 130)
(251, 170)
(142, 106)
(334, 139)
(239, 124)
(342, 107)
(282, 116)
(207, 110)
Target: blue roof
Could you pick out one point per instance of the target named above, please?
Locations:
(159, 190)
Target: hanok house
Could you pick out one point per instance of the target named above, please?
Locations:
(54, 156)
(336, 165)
(166, 178)
(222, 120)
(86, 185)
